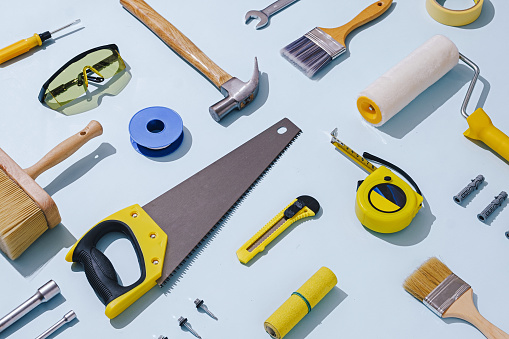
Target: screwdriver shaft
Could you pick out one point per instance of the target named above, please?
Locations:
(68, 25)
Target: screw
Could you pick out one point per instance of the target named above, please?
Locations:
(199, 304)
(183, 322)
(507, 234)
(492, 207)
(458, 198)
(162, 337)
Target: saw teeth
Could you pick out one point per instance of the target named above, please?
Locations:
(205, 240)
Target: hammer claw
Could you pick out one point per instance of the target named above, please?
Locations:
(238, 95)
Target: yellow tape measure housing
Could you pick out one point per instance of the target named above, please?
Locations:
(385, 203)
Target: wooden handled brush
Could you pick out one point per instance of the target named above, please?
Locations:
(448, 296)
(26, 210)
(317, 48)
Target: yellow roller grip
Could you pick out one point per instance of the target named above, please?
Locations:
(19, 48)
(300, 303)
(369, 110)
(481, 128)
(452, 17)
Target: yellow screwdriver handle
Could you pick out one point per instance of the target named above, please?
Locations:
(481, 128)
(19, 48)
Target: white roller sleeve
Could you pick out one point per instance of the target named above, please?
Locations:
(412, 76)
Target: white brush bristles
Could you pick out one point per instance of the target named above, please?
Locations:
(412, 76)
(21, 219)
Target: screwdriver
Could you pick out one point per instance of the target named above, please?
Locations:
(25, 45)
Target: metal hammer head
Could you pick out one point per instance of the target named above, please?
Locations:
(238, 95)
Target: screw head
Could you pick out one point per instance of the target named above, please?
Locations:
(507, 234)
(182, 321)
(198, 303)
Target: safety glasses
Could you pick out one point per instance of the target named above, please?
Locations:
(71, 80)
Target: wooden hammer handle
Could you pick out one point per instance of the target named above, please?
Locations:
(176, 40)
(65, 149)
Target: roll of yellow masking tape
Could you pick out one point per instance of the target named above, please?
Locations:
(453, 17)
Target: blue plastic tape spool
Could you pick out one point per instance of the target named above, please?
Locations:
(156, 131)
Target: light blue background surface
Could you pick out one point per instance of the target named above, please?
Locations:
(107, 175)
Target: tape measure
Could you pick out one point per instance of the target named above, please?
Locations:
(385, 203)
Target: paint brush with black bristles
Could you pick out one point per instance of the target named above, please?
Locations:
(444, 293)
(317, 48)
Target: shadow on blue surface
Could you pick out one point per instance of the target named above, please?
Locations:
(80, 168)
(321, 311)
(416, 232)
(42, 250)
(487, 15)
(182, 150)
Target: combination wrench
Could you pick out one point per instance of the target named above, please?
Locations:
(266, 13)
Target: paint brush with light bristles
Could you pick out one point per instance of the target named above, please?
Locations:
(448, 296)
(26, 210)
(317, 48)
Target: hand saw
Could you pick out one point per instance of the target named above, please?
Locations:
(168, 229)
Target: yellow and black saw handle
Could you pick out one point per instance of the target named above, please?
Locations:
(302, 207)
(149, 243)
(481, 128)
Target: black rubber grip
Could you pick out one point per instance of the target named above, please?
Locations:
(98, 268)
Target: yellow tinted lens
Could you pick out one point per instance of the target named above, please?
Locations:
(65, 87)
(107, 62)
(70, 85)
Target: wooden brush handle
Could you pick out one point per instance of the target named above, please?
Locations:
(176, 40)
(464, 308)
(65, 149)
(368, 14)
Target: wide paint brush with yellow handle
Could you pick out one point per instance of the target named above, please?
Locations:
(317, 48)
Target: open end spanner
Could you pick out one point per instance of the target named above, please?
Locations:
(266, 13)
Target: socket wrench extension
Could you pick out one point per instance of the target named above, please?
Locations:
(43, 294)
(68, 317)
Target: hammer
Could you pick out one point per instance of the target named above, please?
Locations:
(237, 94)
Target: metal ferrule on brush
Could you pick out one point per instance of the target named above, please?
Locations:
(445, 294)
(326, 42)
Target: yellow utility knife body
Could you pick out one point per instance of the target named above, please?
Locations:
(302, 207)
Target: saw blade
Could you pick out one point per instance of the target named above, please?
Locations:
(191, 210)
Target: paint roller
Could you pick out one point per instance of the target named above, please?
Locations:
(390, 93)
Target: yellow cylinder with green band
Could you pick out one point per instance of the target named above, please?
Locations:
(453, 17)
(300, 303)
